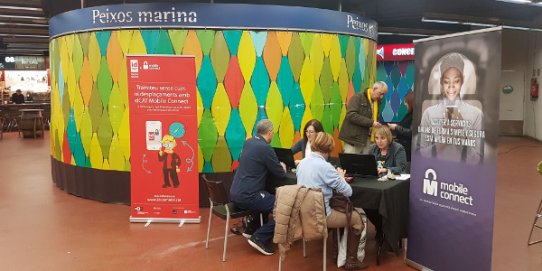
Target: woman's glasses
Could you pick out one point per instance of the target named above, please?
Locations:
(309, 132)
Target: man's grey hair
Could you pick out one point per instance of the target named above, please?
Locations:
(381, 84)
(264, 126)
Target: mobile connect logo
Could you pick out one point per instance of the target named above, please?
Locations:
(134, 65)
(448, 191)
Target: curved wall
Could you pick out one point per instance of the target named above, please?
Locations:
(243, 75)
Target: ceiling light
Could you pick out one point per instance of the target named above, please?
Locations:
(20, 8)
(523, 2)
(23, 24)
(480, 24)
(23, 36)
(22, 17)
(402, 34)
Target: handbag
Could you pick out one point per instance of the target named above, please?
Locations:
(341, 203)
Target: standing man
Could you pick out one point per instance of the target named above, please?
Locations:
(257, 161)
(361, 116)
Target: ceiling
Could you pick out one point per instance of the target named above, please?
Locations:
(24, 24)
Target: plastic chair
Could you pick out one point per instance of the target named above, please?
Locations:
(221, 206)
(537, 216)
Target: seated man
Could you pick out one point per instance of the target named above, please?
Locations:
(257, 160)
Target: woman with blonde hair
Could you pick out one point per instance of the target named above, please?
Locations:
(315, 172)
(390, 157)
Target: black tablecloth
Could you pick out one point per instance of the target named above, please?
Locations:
(390, 198)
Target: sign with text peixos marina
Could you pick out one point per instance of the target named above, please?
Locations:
(216, 16)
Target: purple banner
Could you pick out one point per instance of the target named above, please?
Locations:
(455, 130)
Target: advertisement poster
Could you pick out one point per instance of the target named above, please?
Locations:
(163, 138)
(455, 132)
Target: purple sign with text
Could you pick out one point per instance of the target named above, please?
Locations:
(455, 130)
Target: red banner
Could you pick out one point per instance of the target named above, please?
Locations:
(395, 52)
(163, 139)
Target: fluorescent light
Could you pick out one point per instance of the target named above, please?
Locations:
(23, 36)
(516, 1)
(425, 20)
(23, 24)
(22, 17)
(402, 34)
(480, 24)
(522, 2)
(20, 8)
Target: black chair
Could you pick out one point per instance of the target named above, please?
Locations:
(221, 206)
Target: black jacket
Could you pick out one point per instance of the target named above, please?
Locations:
(257, 160)
(403, 132)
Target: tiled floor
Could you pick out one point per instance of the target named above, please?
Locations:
(43, 228)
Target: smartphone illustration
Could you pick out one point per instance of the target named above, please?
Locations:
(153, 134)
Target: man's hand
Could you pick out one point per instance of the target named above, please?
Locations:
(376, 124)
(297, 162)
(177, 169)
(160, 153)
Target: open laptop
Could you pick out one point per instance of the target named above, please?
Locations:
(286, 156)
(358, 165)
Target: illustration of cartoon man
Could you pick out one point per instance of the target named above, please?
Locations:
(171, 161)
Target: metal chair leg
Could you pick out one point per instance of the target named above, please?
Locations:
(226, 232)
(209, 224)
(537, 216)
(325, 256)
(304, 251)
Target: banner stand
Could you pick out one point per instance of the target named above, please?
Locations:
(454, 151)
(163, 139)
(148, 221)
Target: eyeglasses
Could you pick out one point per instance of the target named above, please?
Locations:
(310, 132)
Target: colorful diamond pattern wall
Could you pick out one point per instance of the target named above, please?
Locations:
(399, 76)
(242, 77)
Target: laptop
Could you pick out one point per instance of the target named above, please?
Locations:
(358, 165)
(286, 156)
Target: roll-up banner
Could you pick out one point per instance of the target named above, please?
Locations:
(455, 130)
(163, 138)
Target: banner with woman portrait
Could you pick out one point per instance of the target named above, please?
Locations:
(453, 171)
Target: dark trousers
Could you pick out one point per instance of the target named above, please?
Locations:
(262, 203)
(170, 173)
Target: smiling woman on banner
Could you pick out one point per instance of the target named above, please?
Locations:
(452, 129)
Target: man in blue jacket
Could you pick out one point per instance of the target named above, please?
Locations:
(257, 161)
